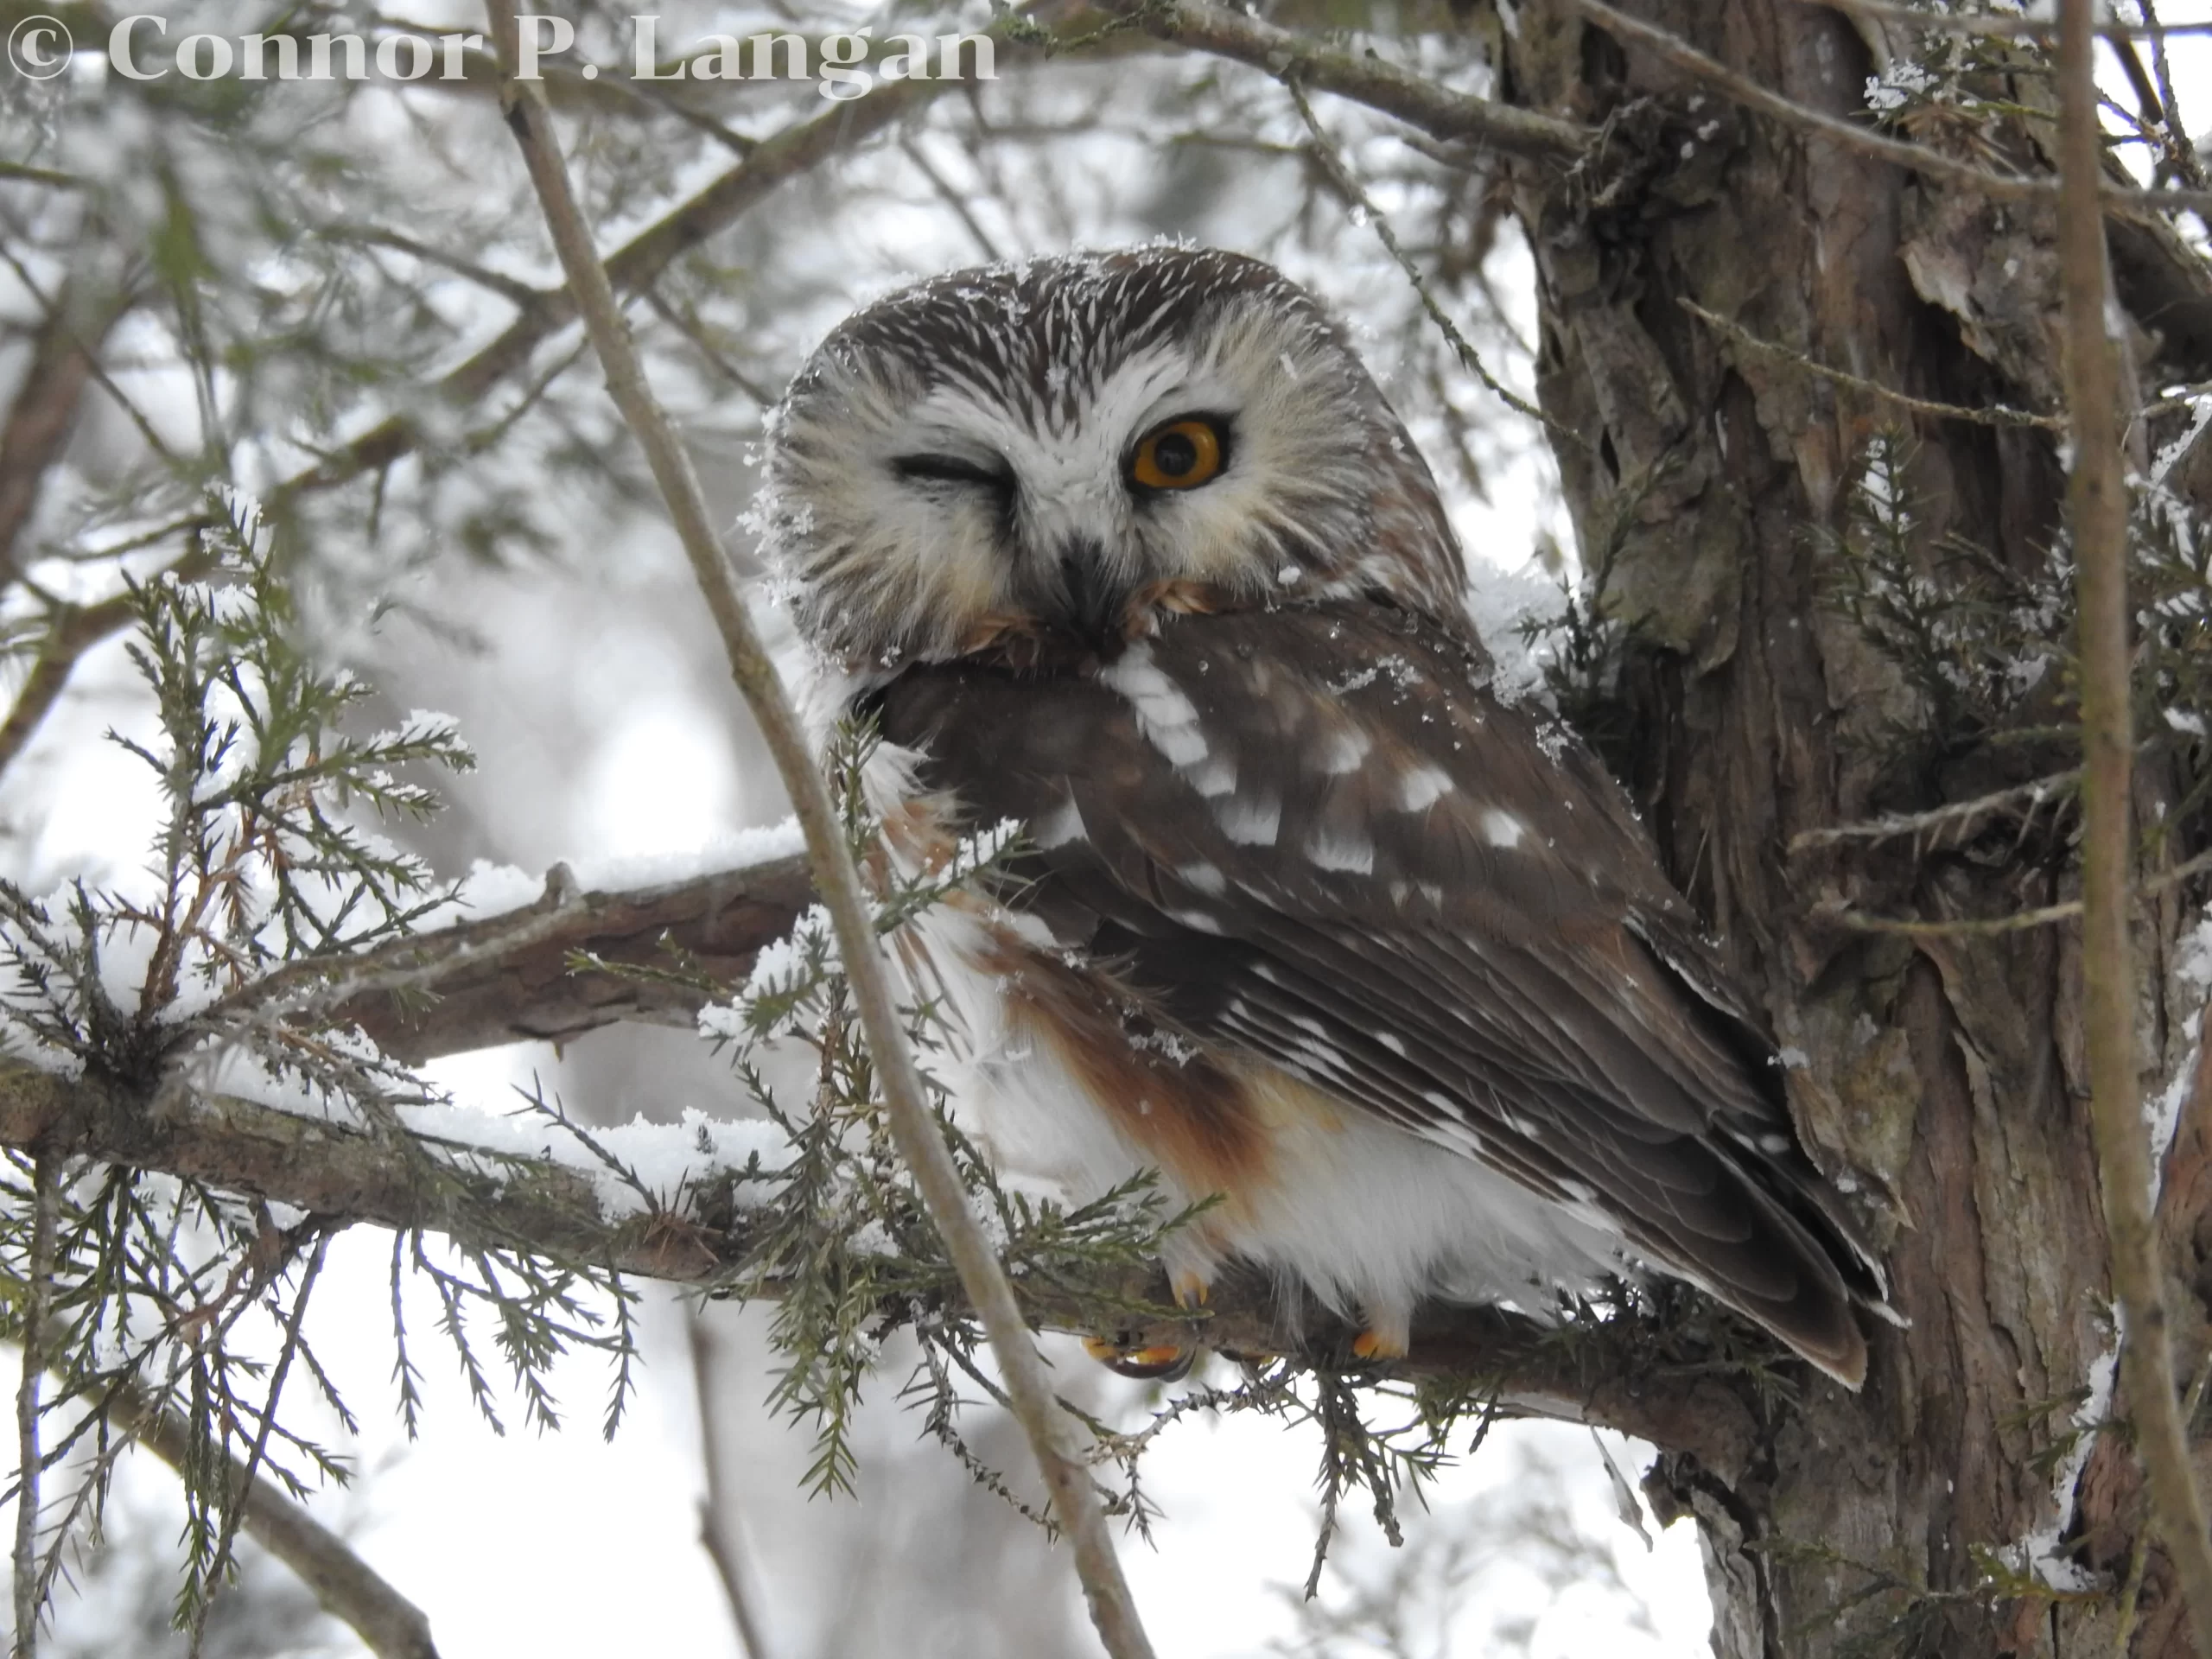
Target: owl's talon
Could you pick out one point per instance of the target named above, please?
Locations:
(1190, 1288)
(1160, 1361)
(1375, 1346)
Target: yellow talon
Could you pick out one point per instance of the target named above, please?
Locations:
(1162, 1362)
(1373, 1344)
(1189, 1289)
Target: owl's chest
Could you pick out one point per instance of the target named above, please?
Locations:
(1068, 1071)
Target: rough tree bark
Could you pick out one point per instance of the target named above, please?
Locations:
(1946, 1068)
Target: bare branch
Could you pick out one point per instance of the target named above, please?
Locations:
(38, 1310)
(1996, 23)
(1990, 415)
(720, 1532)
(2013, 921)
(348, 1588)
(1919, 158)
(1953, 819)
(1332, 163)
(72, 633)
(2097, 510)
(1075, 1498)
(485, 982)
(1435, 110)
(44, 411)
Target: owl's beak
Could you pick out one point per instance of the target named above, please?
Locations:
(1084, 594)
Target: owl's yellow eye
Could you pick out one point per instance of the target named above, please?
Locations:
(1180, 455)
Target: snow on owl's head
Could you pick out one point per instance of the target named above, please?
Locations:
(1049, 446)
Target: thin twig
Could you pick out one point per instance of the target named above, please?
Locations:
(347, 1587)
(914, 1130)
(68, 637)
(2019, 920)
(721, 1527)
(2097, 509)
(243, 1478)
(1437, 110)
(1892, 826)
(1964, 23)
(38, 1310)
(2181, 152)
(513, 289)
(1993, 415)
(314, 983)
(1324, 151)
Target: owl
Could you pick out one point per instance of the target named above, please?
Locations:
(1309, 918)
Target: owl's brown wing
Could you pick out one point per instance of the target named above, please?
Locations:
(1315, 834)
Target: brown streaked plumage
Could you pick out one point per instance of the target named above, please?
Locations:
(1315, 919)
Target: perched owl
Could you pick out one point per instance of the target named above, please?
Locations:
(1129, 547)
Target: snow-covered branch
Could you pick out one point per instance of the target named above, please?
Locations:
(555, 1200)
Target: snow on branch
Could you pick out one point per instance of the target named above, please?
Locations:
(518, 1184)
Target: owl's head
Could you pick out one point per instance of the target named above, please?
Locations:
(1044, 446)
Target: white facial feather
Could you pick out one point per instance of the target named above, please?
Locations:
(958, 456)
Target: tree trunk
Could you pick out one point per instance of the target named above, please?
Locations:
(1711, 482)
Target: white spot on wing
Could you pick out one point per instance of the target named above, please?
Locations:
(1346, 748)
(1352, 854)
(1063, 824)
(1204, 877)
(1390, 1042)
(1169, 721)
(1250, 824)
(1422, 787)
(1216, 776)
(1502, 829)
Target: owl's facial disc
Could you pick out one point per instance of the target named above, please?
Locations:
(1034, 447)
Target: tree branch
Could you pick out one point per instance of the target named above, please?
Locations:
(43, 412)
(1919, 158)
(1436, 109)
(1074, 1497)
(347, 1587)
(480, 984)
(721, 1527)
(2097, 511)
(1604, 1374)
(30, 1459)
